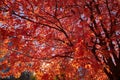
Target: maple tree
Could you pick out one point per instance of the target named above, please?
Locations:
(60, 39)
(105, 42)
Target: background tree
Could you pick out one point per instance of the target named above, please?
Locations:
(78, 38)
(24, 76)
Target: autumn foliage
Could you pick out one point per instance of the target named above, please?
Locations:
(60, 39)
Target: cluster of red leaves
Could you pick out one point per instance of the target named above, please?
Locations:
(40, 35)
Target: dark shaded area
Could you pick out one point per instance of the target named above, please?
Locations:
(24, 76)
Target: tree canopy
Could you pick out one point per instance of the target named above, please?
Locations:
(60, 39)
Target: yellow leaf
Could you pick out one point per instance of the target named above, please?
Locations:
(17, 75)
